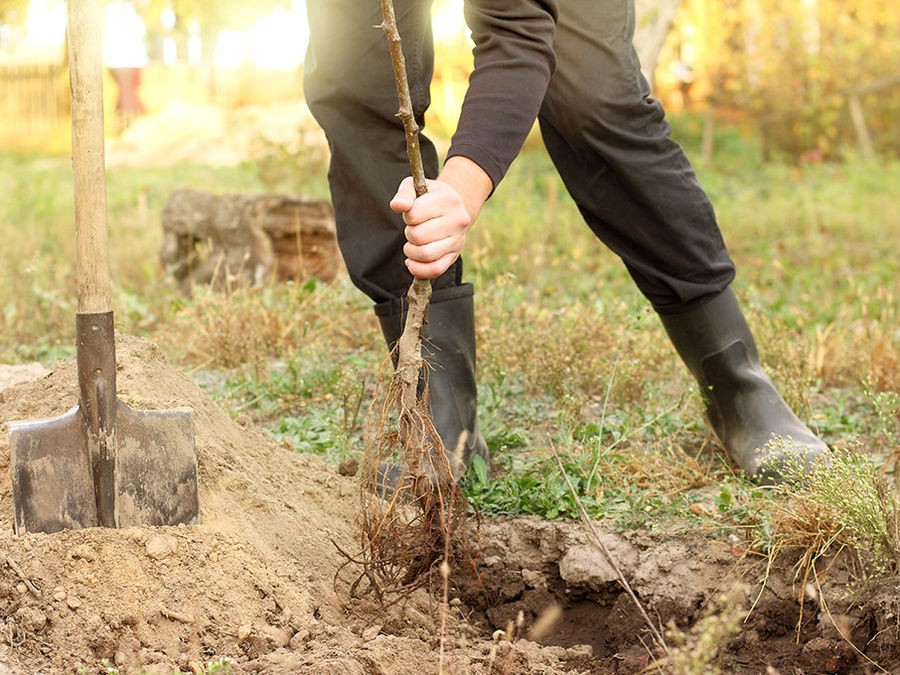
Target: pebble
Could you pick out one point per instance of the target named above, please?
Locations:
(244, 632)
(160, 546)
(73, 601)
(299, 639)
(371, 633)
(580, 652)
(279, 637)
(84, 552)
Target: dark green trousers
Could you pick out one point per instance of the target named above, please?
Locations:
(608, 139)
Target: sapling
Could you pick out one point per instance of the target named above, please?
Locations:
(413, 510)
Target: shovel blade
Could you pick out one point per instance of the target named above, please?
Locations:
(52, 480)
(156, 467)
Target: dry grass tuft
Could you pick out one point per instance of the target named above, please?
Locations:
(252, 326)
(863, 342)
(844, 504)
(565, 349)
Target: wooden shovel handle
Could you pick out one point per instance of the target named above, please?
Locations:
(85, 38)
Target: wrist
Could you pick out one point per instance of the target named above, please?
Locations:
(470, 181)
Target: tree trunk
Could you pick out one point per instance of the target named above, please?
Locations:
(247, 239)
(653, 21)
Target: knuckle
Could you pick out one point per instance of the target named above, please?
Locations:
(414, 237)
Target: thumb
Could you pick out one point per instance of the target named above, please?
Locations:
(406, 195)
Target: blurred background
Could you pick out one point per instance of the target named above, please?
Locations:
(809, 79)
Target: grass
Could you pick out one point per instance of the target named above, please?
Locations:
(845, 505)
(569, 353)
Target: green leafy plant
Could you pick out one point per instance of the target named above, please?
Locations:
(528, 487)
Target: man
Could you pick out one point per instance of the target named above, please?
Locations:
(571, 64)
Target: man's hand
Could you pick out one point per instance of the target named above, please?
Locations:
(438, 221)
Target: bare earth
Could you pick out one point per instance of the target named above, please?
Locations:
(255, 581)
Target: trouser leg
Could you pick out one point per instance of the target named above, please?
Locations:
(638, 192)
(350, 89)
(633, 184)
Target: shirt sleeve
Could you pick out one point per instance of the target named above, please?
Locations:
(514, 60)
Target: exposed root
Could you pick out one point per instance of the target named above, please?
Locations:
(413, 517)
(413, 512)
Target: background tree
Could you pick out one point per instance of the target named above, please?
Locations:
(789, 65)
(11, 8)
(653, 21)
(210, 16)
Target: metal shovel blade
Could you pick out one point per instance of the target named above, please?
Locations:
(156, 468)
(52, 480)
(154, 471)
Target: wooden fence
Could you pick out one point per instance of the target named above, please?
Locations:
(34, 103)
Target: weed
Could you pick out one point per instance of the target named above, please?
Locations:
(843, 504)
(314, 404)
(887, 411)
(528, 487)
(786, 355)
(697, 652)
(624, 472)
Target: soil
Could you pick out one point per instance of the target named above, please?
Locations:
(254, 582)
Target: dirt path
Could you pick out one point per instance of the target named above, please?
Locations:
(254, 582)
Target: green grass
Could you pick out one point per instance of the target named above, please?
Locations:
(571, 359)
(37, 277)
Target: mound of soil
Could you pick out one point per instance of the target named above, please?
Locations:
(254, 582)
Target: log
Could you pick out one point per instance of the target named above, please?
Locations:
(233, 240)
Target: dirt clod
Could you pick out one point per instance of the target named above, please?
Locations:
(160, 546)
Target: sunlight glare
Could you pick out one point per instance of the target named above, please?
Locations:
(448, 21)
(277, 41)
(46, 23)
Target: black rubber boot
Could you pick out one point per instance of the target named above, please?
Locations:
(448, 346)
(754, 424)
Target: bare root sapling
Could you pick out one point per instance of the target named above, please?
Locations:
(413, 513)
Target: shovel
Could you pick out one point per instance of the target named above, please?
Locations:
(102, 463)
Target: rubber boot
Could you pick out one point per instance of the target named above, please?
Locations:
(754, 424)
(448, 347)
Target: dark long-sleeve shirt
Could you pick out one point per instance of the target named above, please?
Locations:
(514, 60)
